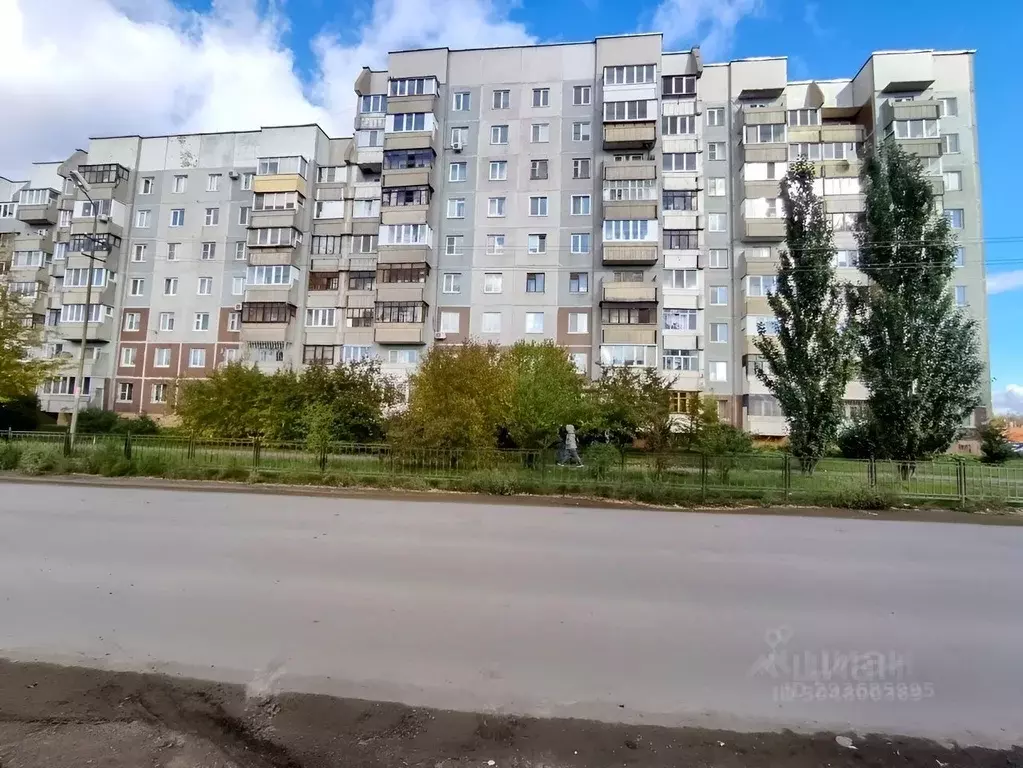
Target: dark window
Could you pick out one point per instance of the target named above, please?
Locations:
(318, 353)
(578, 282)
(324, 281)
(681, 239)
(400, 311)
(534, 282)
(362, 281)
(109, 173)
(267, 312)
(627, 315)
(86, 243)
(359, 317)
(678, 85)
(680, 200)
(418, 158)
(401, 196)
(326, 245)
(538, 169)
(404, 273)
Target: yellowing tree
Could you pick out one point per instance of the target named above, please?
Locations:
(19, 373)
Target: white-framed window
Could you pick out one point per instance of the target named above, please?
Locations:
(915, 129)
(717, 370)
(237, 286)
(373, 103)
(459, 136)
(538, 169)
(197, 357)
(581, 242)
(502, 99)
(768, 133)
(146, 184)
(125, 391)
(846, 258)
(581, 168)
(680, 320)
(628, 355)
(128, 357)
(949, 106)
(679, 161)
(201, 321)
(799, 117)
(408, 122)
(404, 234)
(213, 182)
(535, 282)
(132, 321)
(717, 222)
(353, 354)
(581, 131)
(534, 322)
(580, 205)
(540, 133)
(413, 86)
(960, 256)
(715, 187)
(580, 360)
(630, 110)
(578, 282)
(493, 282)
(461, 101)
(209, 251)
(499, 134)
(616, 230)
(453, 245)
(212, 217)
(64, 218)
(950, 144)
(330, 174)
(719, 296)
(953, 181)
(541, 97)
(158, 393)
(247, 181)
(138, 286)
(166, 321)
(491, 322)
(719, 333)
(138, 252)
(716, 116)
(960, 295)
(495, 245)
(270, 274)
(581, 95)
(955, 217)
(162, 357)
(143, 218)
(177, 217)
(229, 355)
(243, 216)
(536, 243)
(234, 321)
(239, 251)
(718, 258)
(716, 150)
(170, 286)
(678, 125)
(180, 184)
(498, 170)
(680, 360)
(538, 205)
(681, 278)
(631, 74)
(449, 322)
(496, 206)
(456, 208)
(578, 322)
(452, 282)
(761, 285)
(204, 286)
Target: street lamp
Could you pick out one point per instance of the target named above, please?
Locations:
(85, 188)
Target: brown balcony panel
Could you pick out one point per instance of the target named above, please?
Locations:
(755, 189)
(839, 169)
(764, 116)
(629, 292)
(264, 332)
(645, 253)
(633, 135)
(626, 171)
(400, 292)
(424, 102)
(639, 210)
(410, 140)
(406, 177)
(842, 133)
(398, 254)
(909, 110)
(765, 153)
(628, 334)
(765, 229)
(922, 147)
(404, 214)
(399, 333)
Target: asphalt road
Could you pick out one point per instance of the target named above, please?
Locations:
(643, 616)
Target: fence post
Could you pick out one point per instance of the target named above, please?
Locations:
(10, 434)
(190, 451)
(255, 453)
(703, 475)
(127, 444)
(871, 473)
(67, 442)
(323, 459)
(787, 472)
(961, 482)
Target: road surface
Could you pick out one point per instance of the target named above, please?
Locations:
(636, 616)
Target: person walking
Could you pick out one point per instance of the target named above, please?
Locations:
(571, 447)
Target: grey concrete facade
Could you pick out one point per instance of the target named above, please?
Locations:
(609, 196)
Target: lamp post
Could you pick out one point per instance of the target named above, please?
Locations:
(84, 187)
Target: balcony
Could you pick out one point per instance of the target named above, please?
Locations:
(628, 292)
(892, 110)
(281, 174)
(399, 333)
(640, 333)
(102, 331)
(628, 171)
(34, 241)
(764, 229)
(370, 122)
(630, 254)
(401, 292)
(370, 159)
(642, 210)
(266, 321)
(108, 181)
(282, 238)
(38, 206)
(630, 135)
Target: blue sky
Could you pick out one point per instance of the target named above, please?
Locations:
(201, 65)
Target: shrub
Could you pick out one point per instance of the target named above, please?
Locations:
(106, 458)
(142, 425)
(994, 443)
(96, 421)
(10, 455)
(861, 498)
(858, 440)
(41, 459)
(601, 458)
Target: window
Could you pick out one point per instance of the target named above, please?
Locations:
(581, 242)
(459, 136)
(680, 200)
(538, 206)
(453, 245)
(580, 205)
(915, 129)
(146, 185)
(132, 321)
(272, 236)
(581, 168)
(537, 244)
(580, 95)
(243, 216)
(955, 217)
(627, 110)
(277, 201)
(680, 239)
(361, 244)
(761, 285)
(158, 393)
(540, 133)
(628, 355)
(717, 371)
(322, 317)
(581, 131)
(239, 250)
(541, 97)
(456, 208)
(534, 322)
(678, 85)
(166, 321)
(499, 134)
(125, 392)
(770, 133)
(534, 282)
(953, 181)
(238, 285)
(628, 315)
(452, 283)
(373, 103)
(229, 355)
(680, 360)
(538, 169)
(461, 101)
(213, 182)
(170, 286)
(409, 121)
(716, 150)
(271, 274)
(804, 117)
(197, 357)
(626, 230)
(846, 258)
(402, 196)
(143, 218)
(578, 322)
(138, 286)
(960, 256)
(138, 253)
(630, 189)
(495, 245)
(949, 106)
(679, 161)
(359, 317)
(330, 174)
(247, 181)
(681, 278)
(680, 319)
(353, 354)
(719, 333)
(177, 217)
(403, 273)
(180, 184)
(318, 354)
(842, 222)
(496, 206)
(578, 282)
(502, 99)
(400, 311)
(716, 116)
(719, 296)
(402, 159)
(234, 321)
(491, 322)
(678, 125)
(267, 312)
(450, 322)
(950, 144)
(629, 75)
(201, 321)
(205, 287)
(162, 357)
(493, 282)
(209, 251)
(128, 355)
(716, 222)
(498, 170)
(64, 220)
(715, 187)
(73, 278)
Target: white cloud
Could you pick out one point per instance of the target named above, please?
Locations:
(1009, 400)
(709, 23)
(1001, 282)
(79, 68)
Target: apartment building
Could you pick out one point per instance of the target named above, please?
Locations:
(617, 199)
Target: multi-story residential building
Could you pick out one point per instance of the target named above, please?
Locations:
(616, 199)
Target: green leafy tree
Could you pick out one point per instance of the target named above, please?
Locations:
(20, 373)
(629, 404)
(917, 351)
(546, 392)
(226, 404)
(318, 421)
(699, 415)
(357, 393)
(809, 361)
(995, 447)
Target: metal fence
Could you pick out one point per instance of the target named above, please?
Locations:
(773, 476)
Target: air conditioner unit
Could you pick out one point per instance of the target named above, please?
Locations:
(440, 336)
(237, 307)
(456, 145)
(232, 175)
